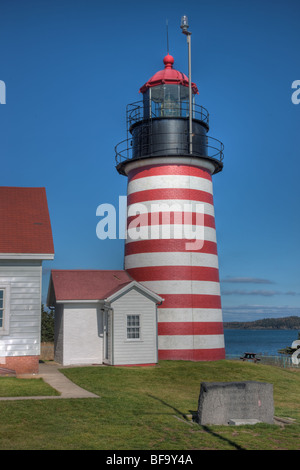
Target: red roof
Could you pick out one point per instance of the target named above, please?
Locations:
(168, 76)
(24, 221)
(87, 284)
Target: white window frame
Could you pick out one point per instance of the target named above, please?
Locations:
(4, 329)
(139, 327)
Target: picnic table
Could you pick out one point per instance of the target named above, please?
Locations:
(250, 357)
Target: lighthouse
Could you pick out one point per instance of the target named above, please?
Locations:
(171, 246)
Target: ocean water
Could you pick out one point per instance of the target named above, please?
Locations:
(257, 341)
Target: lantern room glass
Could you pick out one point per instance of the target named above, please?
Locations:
(166, 101)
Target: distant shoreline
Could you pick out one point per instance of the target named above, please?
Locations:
(283, 323)
(226, 327)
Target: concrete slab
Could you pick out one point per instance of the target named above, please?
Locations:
(51, 375)
(241, 422)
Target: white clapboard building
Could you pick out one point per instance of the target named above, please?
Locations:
(103, 317)
(25, 241)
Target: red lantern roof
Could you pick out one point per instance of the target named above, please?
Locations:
(168, 76)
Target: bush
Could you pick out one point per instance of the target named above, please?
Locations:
(47, 327)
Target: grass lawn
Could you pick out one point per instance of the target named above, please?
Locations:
(149, 408)
(13, 387)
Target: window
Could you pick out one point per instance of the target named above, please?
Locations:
(133, 327)
(1, 307)
(4, 309)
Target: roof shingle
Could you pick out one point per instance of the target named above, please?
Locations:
(24, 221)
(88, 284)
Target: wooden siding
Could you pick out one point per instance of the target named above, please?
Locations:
(144, 350)
(24, 279)
(110, 337)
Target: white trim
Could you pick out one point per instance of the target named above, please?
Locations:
(133, 340)
(105, 316)
(139, 287)
(26, 256)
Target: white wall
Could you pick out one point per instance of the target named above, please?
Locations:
(24, 312)
(83, 334)
(59, 334)
(143, 351)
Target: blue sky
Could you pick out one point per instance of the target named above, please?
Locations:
(70, 68)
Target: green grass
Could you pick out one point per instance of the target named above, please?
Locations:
(14, 387)
(149, 408)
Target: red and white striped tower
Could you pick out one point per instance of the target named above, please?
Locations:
(171, 243)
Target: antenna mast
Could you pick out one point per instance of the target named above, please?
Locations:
(167, 25)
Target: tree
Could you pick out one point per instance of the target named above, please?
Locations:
(47, 327)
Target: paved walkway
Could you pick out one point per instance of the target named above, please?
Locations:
(67, 389)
